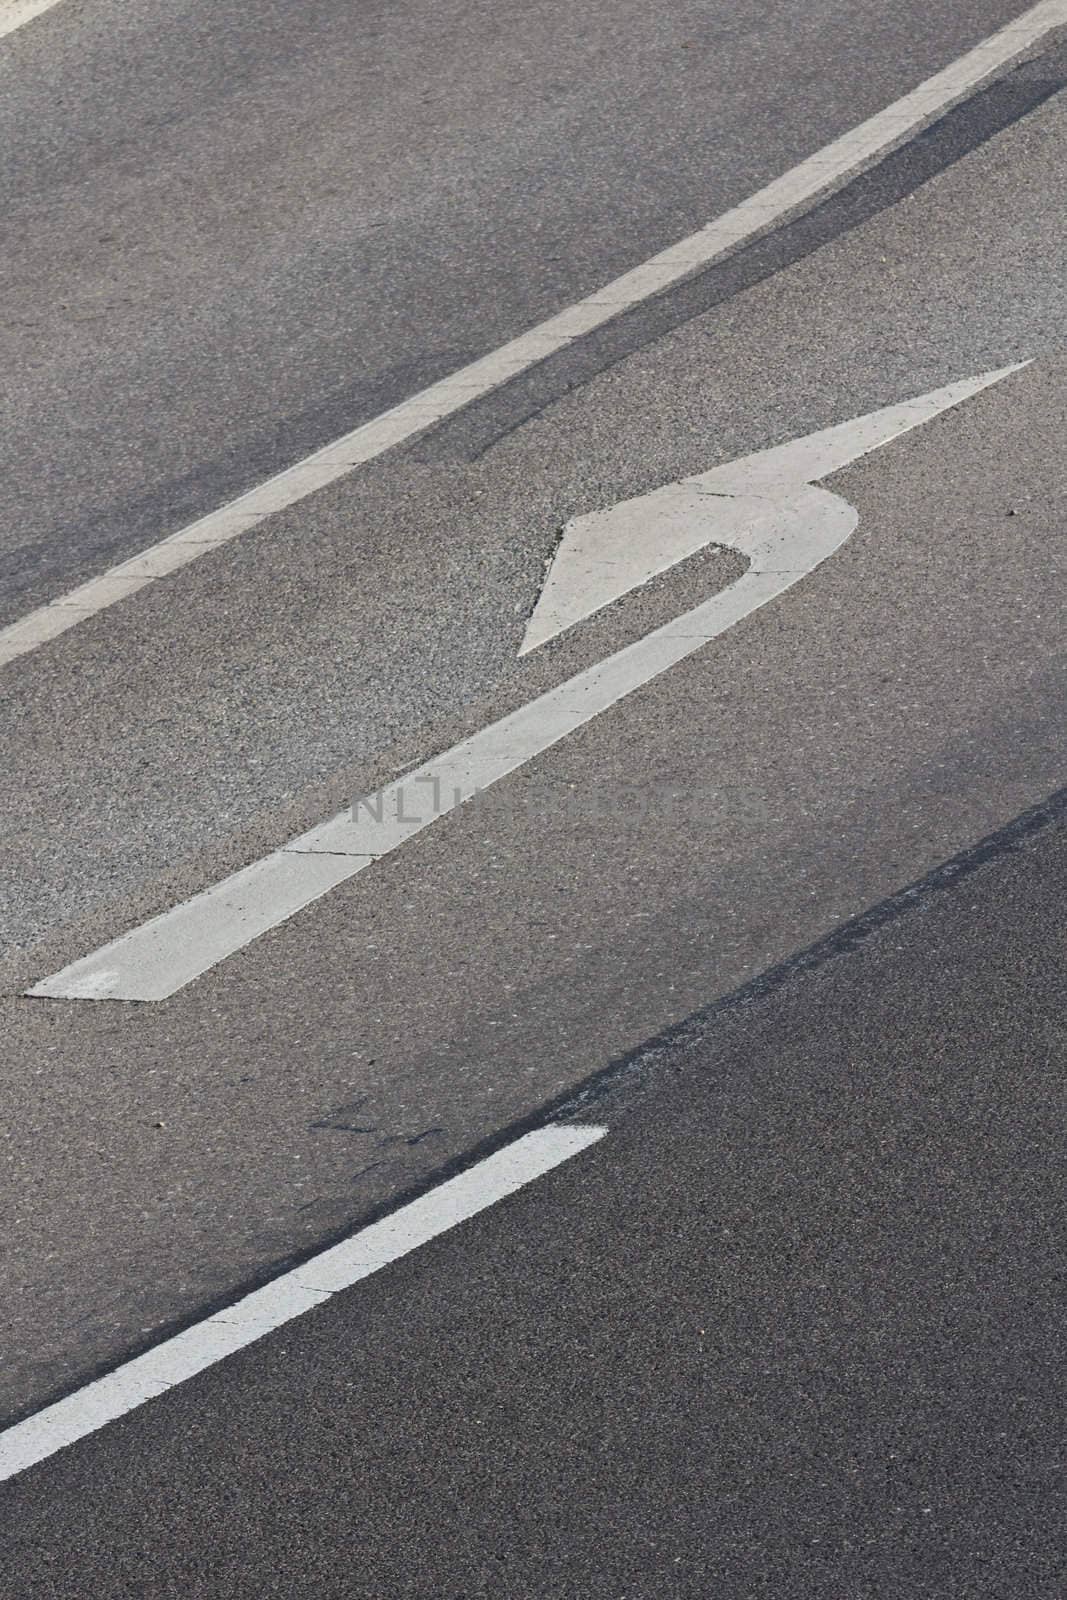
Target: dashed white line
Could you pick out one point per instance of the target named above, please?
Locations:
(816, 176)
(212, 1340)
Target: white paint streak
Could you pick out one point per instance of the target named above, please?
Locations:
(783, 527)
(15, 13)
(170, 951)
(816, 176)
(288, 1297)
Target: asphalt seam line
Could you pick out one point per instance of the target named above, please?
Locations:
(815, 177)
(311, 1284)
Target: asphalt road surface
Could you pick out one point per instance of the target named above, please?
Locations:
(233, 228)
(793, 1328)
(793, 1325)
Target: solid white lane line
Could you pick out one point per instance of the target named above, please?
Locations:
(289, 1296)
(14, 13)
(812, 178)
(760, 506)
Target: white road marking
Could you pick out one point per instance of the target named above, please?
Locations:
(762, 506)
(14, 13)
(812, 178)
(605, 554)
(289, 1296)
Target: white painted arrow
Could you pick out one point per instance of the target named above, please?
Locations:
(761, 505)
(764, 506)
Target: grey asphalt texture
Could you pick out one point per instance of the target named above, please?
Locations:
(902, 702)
(233, 229)
(363, 624)
(793, 1329)
(905, 701)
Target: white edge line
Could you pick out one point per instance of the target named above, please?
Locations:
(816, 175)
(289, 1296)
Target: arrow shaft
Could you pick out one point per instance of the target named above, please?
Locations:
(163, 955)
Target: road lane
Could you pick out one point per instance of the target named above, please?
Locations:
(903, 703)
(767, 510)
(981, 92)
(234, 231)
(363, 629)
(793, 1328)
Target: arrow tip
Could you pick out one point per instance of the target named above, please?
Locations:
(817, 455)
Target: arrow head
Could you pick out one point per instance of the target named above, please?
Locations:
(606, 554)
